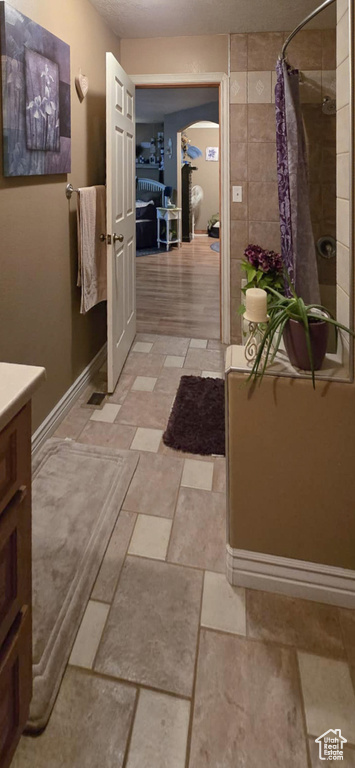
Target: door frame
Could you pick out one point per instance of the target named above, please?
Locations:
(221, 80)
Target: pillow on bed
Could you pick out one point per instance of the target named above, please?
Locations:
(147, 195)
(145, 210)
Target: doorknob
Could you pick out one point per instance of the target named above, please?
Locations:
(120, 238)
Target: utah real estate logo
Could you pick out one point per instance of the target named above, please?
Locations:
(331, 745)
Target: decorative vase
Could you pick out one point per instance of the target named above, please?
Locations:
(294, 336)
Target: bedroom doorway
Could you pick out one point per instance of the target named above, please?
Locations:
(182, 288)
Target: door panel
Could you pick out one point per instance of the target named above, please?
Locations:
(121, 255)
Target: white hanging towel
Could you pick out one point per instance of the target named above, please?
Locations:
(92, 265)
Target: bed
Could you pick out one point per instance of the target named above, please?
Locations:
(149, 197)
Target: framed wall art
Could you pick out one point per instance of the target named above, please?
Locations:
(212, 154)
(35, 97)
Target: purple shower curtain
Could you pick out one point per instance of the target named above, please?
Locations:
(297, 239)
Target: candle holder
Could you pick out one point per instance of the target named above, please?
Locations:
(255, 336)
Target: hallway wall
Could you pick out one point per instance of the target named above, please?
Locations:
(40, 322)
(207, 174)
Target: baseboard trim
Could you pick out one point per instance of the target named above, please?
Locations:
(295, 578)
(51, 422)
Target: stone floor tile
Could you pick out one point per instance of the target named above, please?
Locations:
(146, 409)
(198, 536)
(155, 485)
(248, 710)
(328, 695)
(160, 731)
(144, 384)
(309, 626)
(219, 476)
(212, 375)
(223, 606)
(89, 634)
(169, 379)
(107, 435)
(146, 439)
(142, 346)
(143, 365)
(111, 566)
(174, 361)
(205, 359)
(123, 387)
(107, 414)
(150, 537)
(74, 423)
(88, 728)
(171, 345)
(151, 632)
(198, 344)
(197, 474)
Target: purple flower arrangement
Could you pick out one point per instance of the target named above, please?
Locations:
(266, 261)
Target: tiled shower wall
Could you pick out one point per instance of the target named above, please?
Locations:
(253, 141)
(343, 164)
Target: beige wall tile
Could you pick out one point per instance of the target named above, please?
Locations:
(328, 48)
(342, 7)
(328, 695)
(238, 161)
(273, 85)
(238, 122)
(238, 87)
(239, 238)
(89, 635)
(264, 48)
(343, 176)
(343, 222)
(236, 276)
(239, 53)
(266, 234)
(342, 36)
(262, 162)
(343, 268)
(239, 211)
(329, 84)
(223, 606)
(236, 323)
(343, 309)
(343, 130)
(160, 731)
(263, 201)
(305, 50)
(343, 83)
(150, 537)
(311, 87)
(261, 123)
(259, 87)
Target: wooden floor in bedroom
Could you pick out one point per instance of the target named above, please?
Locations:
(178, 293)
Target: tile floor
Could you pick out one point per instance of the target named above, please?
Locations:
(172, 667)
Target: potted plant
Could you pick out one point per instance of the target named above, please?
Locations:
(263, 269)
(304, 329)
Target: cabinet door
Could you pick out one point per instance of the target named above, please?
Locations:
(15, 685)
(15, 456)
(15, 560)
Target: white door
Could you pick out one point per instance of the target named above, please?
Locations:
(121, 219)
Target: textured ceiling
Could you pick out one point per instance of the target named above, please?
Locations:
(153, 103)
(171, 18)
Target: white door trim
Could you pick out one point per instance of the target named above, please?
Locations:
(222, 80)
(294, 578)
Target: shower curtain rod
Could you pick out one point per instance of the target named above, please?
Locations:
(303, 23)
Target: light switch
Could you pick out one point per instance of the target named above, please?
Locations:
(237, 194)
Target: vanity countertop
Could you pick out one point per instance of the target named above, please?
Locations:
(17, 385)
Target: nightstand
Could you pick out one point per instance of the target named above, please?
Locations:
(169, 215)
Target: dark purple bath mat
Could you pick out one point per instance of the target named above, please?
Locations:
(196, 422)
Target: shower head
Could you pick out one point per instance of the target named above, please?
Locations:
(329, 106)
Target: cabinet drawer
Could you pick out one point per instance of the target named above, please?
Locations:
(15, 560)
(15, 685)
(15, 453)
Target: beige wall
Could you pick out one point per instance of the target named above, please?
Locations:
(170, 55)
(207, 174)
(40, 322)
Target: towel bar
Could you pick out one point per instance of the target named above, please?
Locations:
(69, 189)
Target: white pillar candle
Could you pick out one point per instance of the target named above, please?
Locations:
(256, 305)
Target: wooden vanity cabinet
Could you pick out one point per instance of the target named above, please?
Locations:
(15, 582)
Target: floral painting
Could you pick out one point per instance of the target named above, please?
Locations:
(36, 97)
